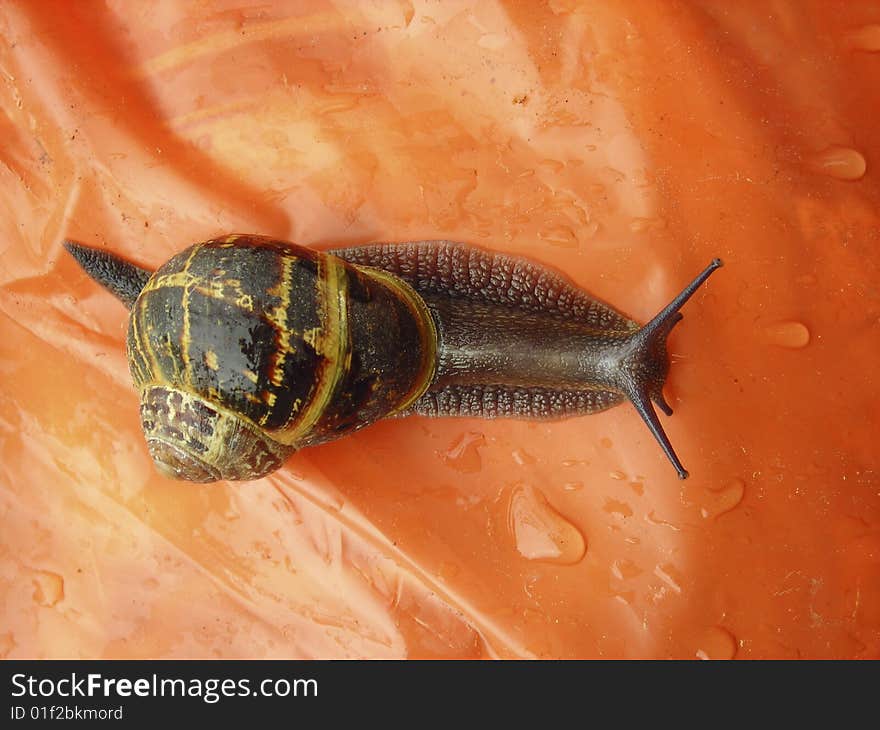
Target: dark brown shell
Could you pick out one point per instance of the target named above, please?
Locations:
(302, 345)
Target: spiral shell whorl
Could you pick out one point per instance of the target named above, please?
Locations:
(249, 341)
(200, 442)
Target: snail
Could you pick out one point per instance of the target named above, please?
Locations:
(245, 349)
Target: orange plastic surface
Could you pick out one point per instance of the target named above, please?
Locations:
(624, 143)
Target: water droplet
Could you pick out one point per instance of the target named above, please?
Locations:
(575, 462)
(522, 457)
(561, 236)
(806, 279)
(637, 487)
(7, 644)
(588, 230)
(638, 225)
(573, 486)
(48, 588)
(793, 335)
(723, 499)
(865, 549)
(463, 455)
(540, 532)
(447, 571)
(865, 39)
(625, 569)
(652, 519)
(841, 163)
(606, 442)
(716, 643)
(669, 575)
(554, 165)
(493, 41)
(616, 507)
(561, 7)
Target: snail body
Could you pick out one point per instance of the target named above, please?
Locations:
(245, 349)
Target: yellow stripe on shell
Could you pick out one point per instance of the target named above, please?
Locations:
(428, 365)
(175, 278)
(278, 317)
(141, 334)
(331, 343)
(137, 357)
(185, 333)
(225, 426)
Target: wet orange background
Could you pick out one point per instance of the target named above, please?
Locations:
(625, 143)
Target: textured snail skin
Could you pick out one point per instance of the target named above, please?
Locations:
(245, 348)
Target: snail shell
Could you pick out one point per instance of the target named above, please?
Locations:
(245, 349)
